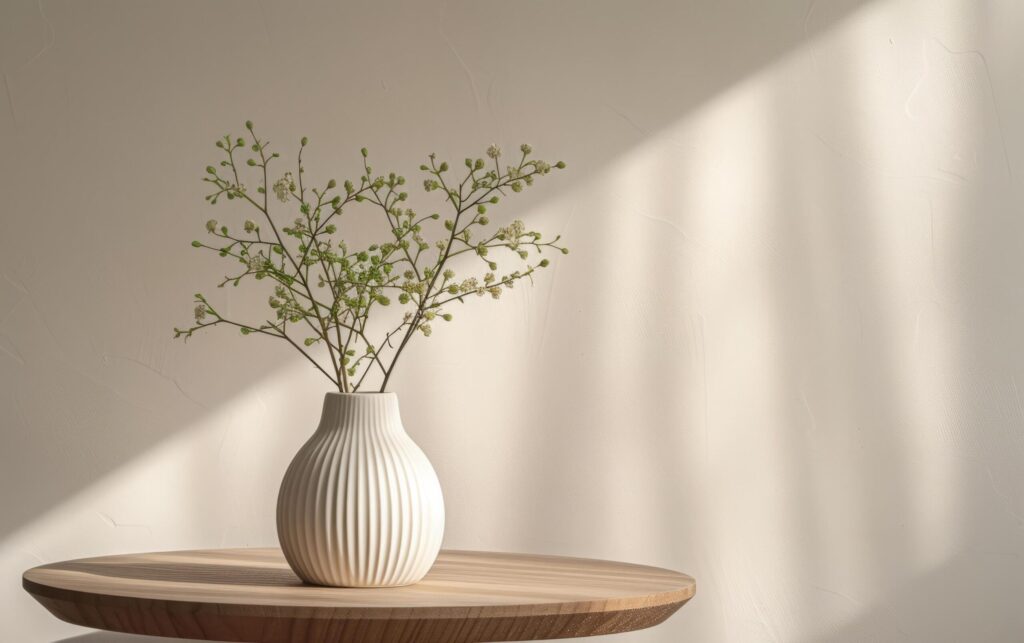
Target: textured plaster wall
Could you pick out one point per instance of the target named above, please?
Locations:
(785, 354)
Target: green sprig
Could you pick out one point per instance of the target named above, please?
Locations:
(327, 292)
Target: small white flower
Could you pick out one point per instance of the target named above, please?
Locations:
(494, 151)
(200, 313)
(211, 225)
(284, 186)
(250, 225)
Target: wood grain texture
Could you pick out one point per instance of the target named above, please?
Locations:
(252, 595)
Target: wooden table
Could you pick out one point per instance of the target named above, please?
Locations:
(252, 595)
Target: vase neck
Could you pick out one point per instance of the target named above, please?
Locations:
(372, 412)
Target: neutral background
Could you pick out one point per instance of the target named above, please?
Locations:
(786, 354)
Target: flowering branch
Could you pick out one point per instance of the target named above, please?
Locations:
(304, 258)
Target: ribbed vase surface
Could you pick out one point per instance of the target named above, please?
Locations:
(360, 505)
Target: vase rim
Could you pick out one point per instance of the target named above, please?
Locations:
(361, 393)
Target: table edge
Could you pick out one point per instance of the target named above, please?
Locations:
(679, 596)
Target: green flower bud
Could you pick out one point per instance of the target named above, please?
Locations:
(484, 220)
(196, 244)
(248, 124)
(560, 165)
(565, 251)
(309, 341)
(424, 168)
(304, 141)
(330, 228)
(210, 169)
(245, 331)
(403, 298)
(251, 162)
(544, 263)
(364, 152)
(481, 208)
(479, 165)
(492, 265)
(444, 166)
(220, 144)
(446, 317)
(332, 184)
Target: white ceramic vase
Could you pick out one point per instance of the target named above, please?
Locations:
(360, 505)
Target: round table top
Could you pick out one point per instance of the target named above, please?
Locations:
(252, 595)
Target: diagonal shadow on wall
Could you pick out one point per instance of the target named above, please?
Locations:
(622, 70)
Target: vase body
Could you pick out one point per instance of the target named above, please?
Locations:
(360, 505)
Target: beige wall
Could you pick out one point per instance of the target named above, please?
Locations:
(785, 354)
